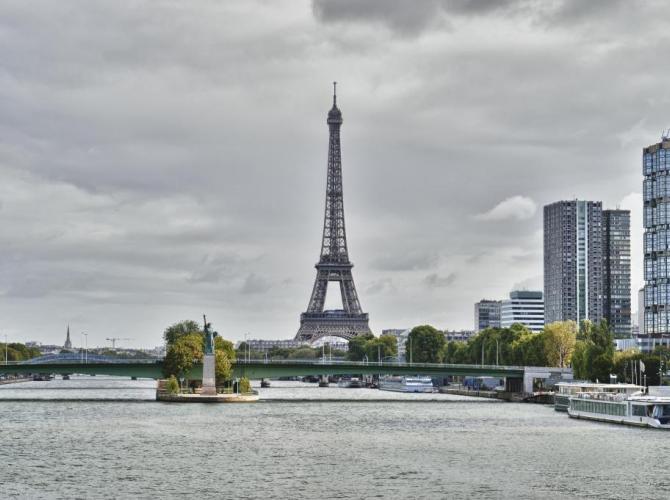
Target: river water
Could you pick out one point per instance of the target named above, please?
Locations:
(379, 445)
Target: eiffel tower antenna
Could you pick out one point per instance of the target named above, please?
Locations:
(334, 264)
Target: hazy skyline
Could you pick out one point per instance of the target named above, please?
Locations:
(162, 160)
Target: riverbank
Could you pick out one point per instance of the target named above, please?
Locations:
(14, 381)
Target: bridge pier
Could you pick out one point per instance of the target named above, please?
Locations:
(323, 381)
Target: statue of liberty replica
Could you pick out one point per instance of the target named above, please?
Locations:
(209, 361)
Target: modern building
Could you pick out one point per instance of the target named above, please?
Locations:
(266, 345)
(656, 220)
(616, 271)
(640, 312)
(573, 261)
(458, 335)
(524, 307)
(487, 314)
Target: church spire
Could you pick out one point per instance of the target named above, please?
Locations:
(68, 342)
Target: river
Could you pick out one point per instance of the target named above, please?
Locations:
(378, 445)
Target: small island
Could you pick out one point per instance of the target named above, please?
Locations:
(188, 349)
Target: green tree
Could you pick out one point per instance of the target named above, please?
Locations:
(594, 352)
(425, 344)
(304, 352)
(181, 329)
(245, 385)
(386, 346)
(226, 346)
(223, 368)
(357, 347)
(181, 355)
(559, 342)
(172, 385)
(580, 360)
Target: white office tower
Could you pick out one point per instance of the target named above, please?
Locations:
(524, 307)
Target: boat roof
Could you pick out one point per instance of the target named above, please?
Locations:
(598, 384)
(650, 399)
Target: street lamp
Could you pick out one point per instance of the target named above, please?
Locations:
(6, 350)
(246, 347)
(86, 347)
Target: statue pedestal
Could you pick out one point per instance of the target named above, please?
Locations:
(208, 376)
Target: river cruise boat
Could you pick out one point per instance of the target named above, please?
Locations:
(406, 384)
(349, 383)
(638, 410)
(564, 390)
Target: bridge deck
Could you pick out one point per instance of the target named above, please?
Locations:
(256, 369)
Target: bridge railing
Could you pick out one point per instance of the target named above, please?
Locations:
(315, 362)
(147, 361)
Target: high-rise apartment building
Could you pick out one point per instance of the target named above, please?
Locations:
(616, 271)
(487, 314)
(573, 261)
(524, 307)
(656, 199)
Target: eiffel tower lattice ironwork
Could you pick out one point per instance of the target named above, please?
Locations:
(334, 264)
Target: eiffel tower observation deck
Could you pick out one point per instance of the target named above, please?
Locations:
(334, 264)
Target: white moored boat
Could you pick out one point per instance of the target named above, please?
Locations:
(564, 390)
(406, 384)
(639, 410)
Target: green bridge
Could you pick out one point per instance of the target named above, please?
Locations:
(257, 369)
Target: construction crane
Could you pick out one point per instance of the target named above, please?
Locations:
(114, 339)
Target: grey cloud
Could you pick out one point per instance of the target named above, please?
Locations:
(379, 286)
(437, 281)
(412, 18)
(254, 284)
(408, 261)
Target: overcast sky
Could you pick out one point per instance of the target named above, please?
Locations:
(161, 159)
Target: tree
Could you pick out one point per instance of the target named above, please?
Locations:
(226, 346)
(182, 353)
(223, 368)
(245, 385)
(181, 329)
(580, 360)
(425, 344)
(386, 346)
(172, 385)
(357, 347)
(559, 342)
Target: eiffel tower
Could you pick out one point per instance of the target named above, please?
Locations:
(334, 264)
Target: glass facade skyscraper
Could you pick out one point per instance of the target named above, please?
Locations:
(573, 261)
(656, 196)
(616, 267)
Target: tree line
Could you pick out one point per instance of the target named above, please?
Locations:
(16, 351)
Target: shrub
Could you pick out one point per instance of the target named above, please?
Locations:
(245, 385)
(172, 385)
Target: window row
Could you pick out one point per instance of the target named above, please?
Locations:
(656, 187)
(654, 216)
(657, 295)
(656, 268)
(657, 241)
(656, 162)
(656, 322)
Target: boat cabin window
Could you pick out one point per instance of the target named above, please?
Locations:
(661, 411)
(639, 411)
